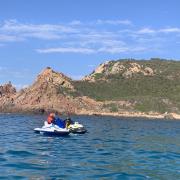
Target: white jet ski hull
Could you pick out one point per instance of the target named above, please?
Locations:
(52, 130)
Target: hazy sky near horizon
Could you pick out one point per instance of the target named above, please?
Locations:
(75, 36)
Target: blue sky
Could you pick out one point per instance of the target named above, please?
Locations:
(75, 36)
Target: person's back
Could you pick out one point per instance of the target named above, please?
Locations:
(51, 118)
(68, 122)
(59, 122)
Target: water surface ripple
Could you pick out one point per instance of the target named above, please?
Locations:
(114, 148)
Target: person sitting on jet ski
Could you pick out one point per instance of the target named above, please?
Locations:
(68, 122)
(59, 122)
(51, 118)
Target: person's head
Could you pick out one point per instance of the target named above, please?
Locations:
(57, 114)
(68, 118)
(52, 115)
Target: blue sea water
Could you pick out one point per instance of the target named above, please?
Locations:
(113, 148)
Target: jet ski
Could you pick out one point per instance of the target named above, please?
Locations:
(77, 128)
(52, 130)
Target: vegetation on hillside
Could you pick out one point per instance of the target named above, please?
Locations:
(160, 92)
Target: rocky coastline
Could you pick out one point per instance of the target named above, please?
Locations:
(53, 91)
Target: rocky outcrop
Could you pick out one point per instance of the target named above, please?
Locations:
(48, 76)
(148, 71)
(135, 68)
(45, 93)
(117, 68)
(102, 68)
(7, 89)
(50, 91)
(122, 68)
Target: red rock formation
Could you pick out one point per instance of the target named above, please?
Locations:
(7, 89)
(50, 91)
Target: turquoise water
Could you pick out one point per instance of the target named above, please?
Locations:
(114, 148)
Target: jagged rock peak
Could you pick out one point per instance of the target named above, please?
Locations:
(48, 75)
(7, 89)
(48, 71)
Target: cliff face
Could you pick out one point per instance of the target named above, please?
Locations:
(44, 91)
(50, 91)
(114, 87)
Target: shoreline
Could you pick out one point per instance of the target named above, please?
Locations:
(135, 115)
(125, 115)
(169, 116)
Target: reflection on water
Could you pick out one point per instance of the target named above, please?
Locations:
(114, 148)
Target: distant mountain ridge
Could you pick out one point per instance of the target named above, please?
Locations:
(114, 87)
